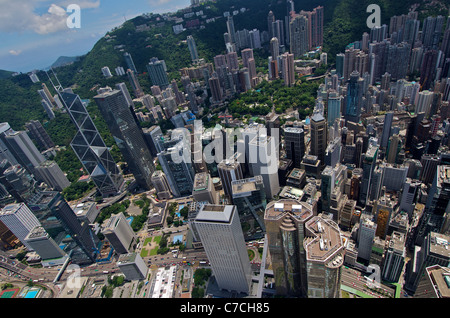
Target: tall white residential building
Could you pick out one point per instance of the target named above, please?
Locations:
(19, 219)
(120, 234)
(221, 234)
(367, 229)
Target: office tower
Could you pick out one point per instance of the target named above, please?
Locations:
(354, 96)
(368, 166)
(324, 249)
(366, 234)
(294, 143)
(394, 148)
(132, 266)
(394, 258)
(203, 189)
(285, 226)
(19, 219)
(127, 134)
(222, 238)
(230, 29)
(408, 196)
(434, 283)
(288, 69)
(17, 181)
(129, 62)
(299, 35)
(383, 209)
(59, 220)
(333, 152)
(340, 58)
(229, 170)
(263, 160)
(90, 148)
(41, 242)
(387, 126)
(433, 251)
(5, 153)
(23, 149)
(334, 108)
(318, 137)
(154, 138)
(332, 178)
(52, 175)
(119, 233)
(161, 185)
(38, 133)
(249, 197)
(180, 174)
(436, 207)
(46, 95)
(192, 48)
(429, 168)
(157, 73)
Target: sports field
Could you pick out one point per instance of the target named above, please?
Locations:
(9, 293)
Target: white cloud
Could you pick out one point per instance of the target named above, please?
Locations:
(15, 52)
(20, 16)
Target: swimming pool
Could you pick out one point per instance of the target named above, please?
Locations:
(31, 294)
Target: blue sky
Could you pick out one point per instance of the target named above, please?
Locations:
(34, 33)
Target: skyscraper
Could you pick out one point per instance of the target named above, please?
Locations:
(52, 175)
(119, 233)
(324, 249)
(288, 69)
(368, 166)
(230, 28)
(38, 133)
(250, 199)
(90, 148)
(366, 234)
(129, 62)
(157, 73)
(161, 185)
(132, 266)
(294, 139)
(299, 35)
(127, 134)
(203, 189)
(318, 137)
(19, 219)
(192, 48)
(285, 225)
(58, 219)
(180, 173)
(229, 170)
(354, 95)
(222, 238)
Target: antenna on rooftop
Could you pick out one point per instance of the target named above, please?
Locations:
(58, 87)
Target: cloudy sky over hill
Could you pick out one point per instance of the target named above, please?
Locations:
(34, 33)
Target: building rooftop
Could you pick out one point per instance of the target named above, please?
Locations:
(440, 276)
(297, 173)
(215, 213)
(278, 209)
(201, 181)
(440, 244)
(10, 208)
(37, 232)
(324, 242)
(126, 259)
(245, 185)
